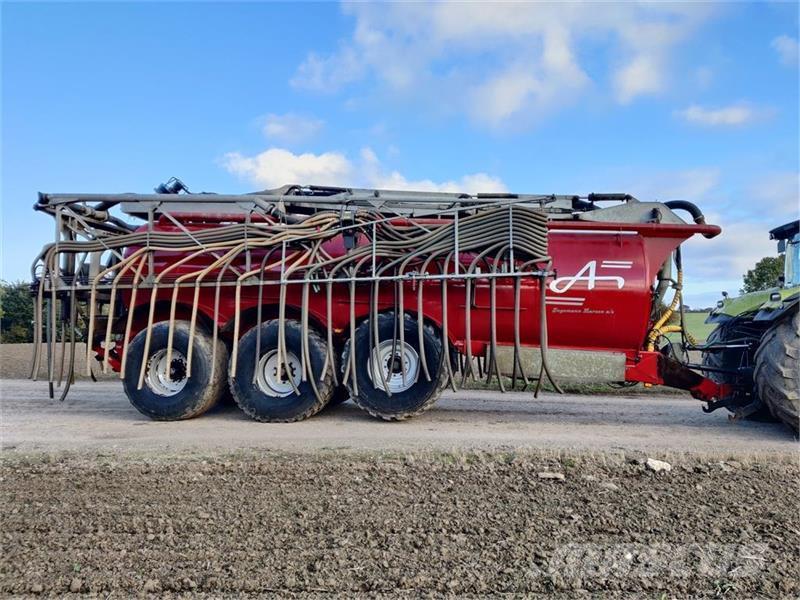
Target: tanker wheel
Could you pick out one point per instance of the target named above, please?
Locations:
(409, 393)
(269, 386)
(169, 392)
(341, 394)
(733, 329)
(777, 373)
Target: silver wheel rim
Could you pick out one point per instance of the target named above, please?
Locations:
(389, 363)
(268, 379)
(166, 379)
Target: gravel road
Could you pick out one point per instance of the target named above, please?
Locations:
(98, 416)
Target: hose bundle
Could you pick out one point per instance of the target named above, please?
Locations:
(499, 239)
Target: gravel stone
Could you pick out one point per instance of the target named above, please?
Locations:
(658, 466)
(550, 475)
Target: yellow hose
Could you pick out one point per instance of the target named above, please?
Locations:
(659, 328)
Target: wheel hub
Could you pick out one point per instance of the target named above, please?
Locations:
(166, 379)
(276, 380)
(392, 361)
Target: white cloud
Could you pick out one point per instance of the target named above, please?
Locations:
(728, 256)
(695, 184)
(502, 96)
(503, 63)
(276, 167)
(777, 194)
(328, 74)
(291, 127)
(746, 215)
(517, 90)
(723, 116)
(376, 176)
(643, 75)
(787, 48)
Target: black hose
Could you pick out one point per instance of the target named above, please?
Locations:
(578, 204)
(692, 209)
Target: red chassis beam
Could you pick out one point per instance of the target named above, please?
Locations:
(657, 369)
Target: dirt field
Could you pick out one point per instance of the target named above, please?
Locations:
(486, 494)
(450, 523)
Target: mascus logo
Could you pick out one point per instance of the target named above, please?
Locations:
(589, 274)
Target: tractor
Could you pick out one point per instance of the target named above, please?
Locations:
(756, 343)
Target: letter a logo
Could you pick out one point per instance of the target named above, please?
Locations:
(588, 274)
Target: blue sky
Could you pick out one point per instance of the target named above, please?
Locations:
(692, 101)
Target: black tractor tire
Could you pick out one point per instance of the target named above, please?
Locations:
(420, 395)
(777, 374)
(161, 398)
(740, 330)
(271, 398)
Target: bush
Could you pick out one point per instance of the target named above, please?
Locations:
(16, 312)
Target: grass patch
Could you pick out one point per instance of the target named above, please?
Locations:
(696, 326)
(571, 387)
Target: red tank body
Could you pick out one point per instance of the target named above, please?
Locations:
(599, 299)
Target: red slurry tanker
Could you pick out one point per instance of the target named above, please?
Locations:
(304, 296)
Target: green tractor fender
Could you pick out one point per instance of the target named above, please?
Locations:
(780, 304)
(764, 305)
(746, 304)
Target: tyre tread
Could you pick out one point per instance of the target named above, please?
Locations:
(429, 402)
(735, 328)
(777, 374)
(324, 386)
(211, 393)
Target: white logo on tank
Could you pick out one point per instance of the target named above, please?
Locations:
(589, 274)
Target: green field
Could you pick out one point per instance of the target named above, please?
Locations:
(696, 326)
